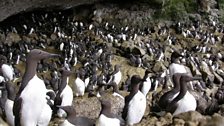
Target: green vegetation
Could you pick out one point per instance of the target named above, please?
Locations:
(221, 9)
(176, 9)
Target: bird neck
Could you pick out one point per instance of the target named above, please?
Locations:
(115, 88)
(183, 90)
(173, 60)
(30, 72)
(106, 111)
(176, 85)
(145, 76)
(134, 89)
(11, 92)
(63, 84)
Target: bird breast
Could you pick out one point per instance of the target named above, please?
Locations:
(136, 108)
(187, 103)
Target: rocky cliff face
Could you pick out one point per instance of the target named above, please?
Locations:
(165, 9)
(12, 7)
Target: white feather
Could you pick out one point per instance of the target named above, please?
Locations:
(33, 102)
(61, 46)
(117, 95)
(79, 87)
(2, 79)
(116, 77)
(187, 103)
(146, 86)
(7, 72)
(45, 117)
(176, 68)
(86, 81)
(67, 99)
(8, 112)
(136, 108)
(105, 121)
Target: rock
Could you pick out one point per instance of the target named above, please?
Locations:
(190, 123)
(193, 69)
(213, 107)
(3, 123)
(215, 120)
(221, 110)
(54, 36)
(149, 121)
(27, 5)
(167, 119)
(202, 104)
(158, 67)
(26, 39)
(12, 38)
(195, 17)
(117, 103)
(193, 116)
(206, 73)
(203, 5)
(127, 46)
(89, 107)
(212, 3)
(137, 50)
(2, 37)
(178, 122)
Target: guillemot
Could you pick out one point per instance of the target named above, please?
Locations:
(31, 98)
(135, 102)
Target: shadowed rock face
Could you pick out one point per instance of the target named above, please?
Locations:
(12, 7)
(163, 8)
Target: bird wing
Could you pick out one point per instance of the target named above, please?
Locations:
(16, 110)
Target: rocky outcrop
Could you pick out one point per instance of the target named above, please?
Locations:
(141, 10)
(11, 7)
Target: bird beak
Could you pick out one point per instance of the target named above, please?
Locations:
(55, 55)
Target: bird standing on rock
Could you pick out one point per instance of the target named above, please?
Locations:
(135, 102)
(31, 102)
(64, 96)
(79, 85)
(116, 76)
(167, 97)
(146, 85)
(184, 101)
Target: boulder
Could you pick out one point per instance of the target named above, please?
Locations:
(91, 107)
(158, 67)
(192, 116)
(215, 120)
(138, 50)
(206, 73)
(12, 38)
(193, 69)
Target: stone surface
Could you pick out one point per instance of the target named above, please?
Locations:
(3, 123)
(26, 5)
